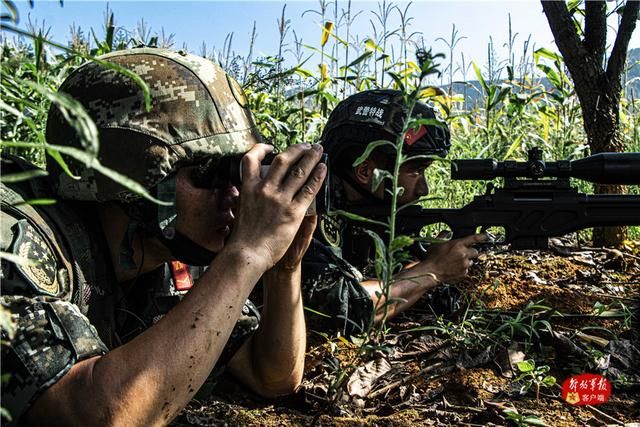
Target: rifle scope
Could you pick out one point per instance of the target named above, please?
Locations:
(601, 168)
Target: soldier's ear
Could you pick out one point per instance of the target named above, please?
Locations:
(363, 173)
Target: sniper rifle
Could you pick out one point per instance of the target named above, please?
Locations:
(536, 201)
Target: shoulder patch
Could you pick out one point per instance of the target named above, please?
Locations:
(330, 229)
(42, 273)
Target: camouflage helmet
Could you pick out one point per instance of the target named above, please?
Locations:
(379, 114)
(197, 111)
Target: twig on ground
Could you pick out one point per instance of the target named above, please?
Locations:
(598, 411)
(448, 405)
(410, 378)
(612, 251)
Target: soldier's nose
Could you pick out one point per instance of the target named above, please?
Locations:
(422, 189)
(230, 198)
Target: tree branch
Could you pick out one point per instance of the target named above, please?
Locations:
(595, 29)
(564, 32)
(619, 52)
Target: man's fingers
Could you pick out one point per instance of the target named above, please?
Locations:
(252, 161)
(475, 238)
(312, 186)
(444, 235)
(300, 172)
(473, 253)
(285, 163)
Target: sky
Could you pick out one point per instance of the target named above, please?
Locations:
(211, 21)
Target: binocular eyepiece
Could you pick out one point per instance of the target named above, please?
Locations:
(222, 171)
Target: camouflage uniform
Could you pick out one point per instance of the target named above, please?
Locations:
(67, 307)
(331, 283)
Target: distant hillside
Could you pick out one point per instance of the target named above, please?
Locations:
(633, 74)
(473, 92)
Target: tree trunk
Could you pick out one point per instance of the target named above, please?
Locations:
(598, 89)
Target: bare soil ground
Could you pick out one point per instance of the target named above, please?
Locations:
(571, 310)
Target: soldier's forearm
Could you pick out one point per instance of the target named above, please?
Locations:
(150, 379)
(408, 285)
(272, 362)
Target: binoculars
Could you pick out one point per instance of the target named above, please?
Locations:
(222, 171)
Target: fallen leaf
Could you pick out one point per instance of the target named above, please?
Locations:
(362, 380)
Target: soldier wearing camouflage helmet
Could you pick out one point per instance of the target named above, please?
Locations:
(67, 362)
(338, 274)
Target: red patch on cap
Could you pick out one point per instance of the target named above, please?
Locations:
(181, 276)
(411, 137)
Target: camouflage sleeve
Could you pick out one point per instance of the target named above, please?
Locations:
(50, 337)
(331, 288)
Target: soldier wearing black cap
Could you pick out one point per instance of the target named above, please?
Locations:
(338, 276)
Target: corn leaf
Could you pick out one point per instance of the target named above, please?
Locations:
(370, 147)
(23, 176)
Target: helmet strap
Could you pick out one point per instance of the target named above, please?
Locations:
(125, 256)
(181, 247)
(160, 222)
(186, 250)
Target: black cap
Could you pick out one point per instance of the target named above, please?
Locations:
(379, 114)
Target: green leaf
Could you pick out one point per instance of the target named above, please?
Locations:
(16, 259)
(426, 328)
(60, 161)
(303, 72)
(4, 414)
(480, 78)
(381, 266)
(91, 162)
(370, 45)
(397, 80)
(515, 144)
(73, 112)
(37, 202)
(526, 366)
(370, 147)
(355, 217)
(7, 324)
(534, 421)
(13, 12)
(551, 74)
(547, 54)
(400, 242)
(4, 378)
(23, 176)
(313, 49)
(549, 381)
(381, 248)
(379, 175)
(357, 60)
(316, 312)
(546, 325)
(110, 65)
(396, 300)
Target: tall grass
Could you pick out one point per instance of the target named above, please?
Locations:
(499, 109)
